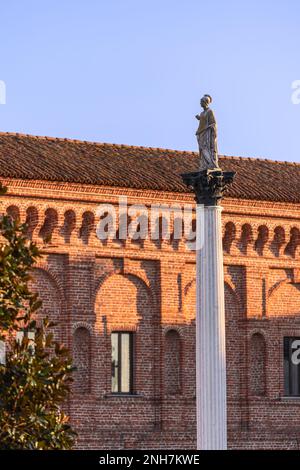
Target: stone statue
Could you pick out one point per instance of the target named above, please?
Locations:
(207, 136)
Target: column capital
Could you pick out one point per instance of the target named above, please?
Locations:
(208, 185)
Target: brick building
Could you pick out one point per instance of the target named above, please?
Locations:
(126, 308)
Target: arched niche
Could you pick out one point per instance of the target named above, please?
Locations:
(45, 285)
(82, 360)
(172, 362)
(257, 365)
(234, 341)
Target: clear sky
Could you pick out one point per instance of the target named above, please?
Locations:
(133, 71)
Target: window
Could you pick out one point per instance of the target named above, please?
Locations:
(122, 362)
(30, 335)
(292, 366)
(2, 352)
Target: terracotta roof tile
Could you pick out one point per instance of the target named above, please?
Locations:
(53, 159)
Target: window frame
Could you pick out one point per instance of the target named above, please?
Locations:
(118, 368)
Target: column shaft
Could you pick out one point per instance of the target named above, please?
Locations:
(210, 332)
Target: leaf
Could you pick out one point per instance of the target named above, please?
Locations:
(35, 380)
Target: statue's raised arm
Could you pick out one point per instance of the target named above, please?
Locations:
(207, 136)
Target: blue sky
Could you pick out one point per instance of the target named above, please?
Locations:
(133, 71)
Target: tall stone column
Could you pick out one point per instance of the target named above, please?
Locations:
(209, 186)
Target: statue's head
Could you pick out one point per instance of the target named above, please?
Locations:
(205, 101)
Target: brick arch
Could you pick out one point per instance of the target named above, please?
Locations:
(141, 277)
(284, 299)
(140, 274)
(101, 280)
(255, 331)
(190, 296)
(82, 324)
(13, 211)
(50, 224)
(47, 288)
(32, 220)
(86, 208)
(62, 210)
(55, 279)
(125, 293)
(49, 276)
(292, 246)
(69, 224)
(261, 239)
(67, 208)
(86, 225)
(246, 237)
(180, 329)
(279, 240)
(229, 236)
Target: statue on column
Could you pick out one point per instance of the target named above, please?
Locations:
(207, 136)
(209, 182)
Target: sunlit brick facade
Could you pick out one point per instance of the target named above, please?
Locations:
(93, 288)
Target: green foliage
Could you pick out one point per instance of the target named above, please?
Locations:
(17, 256)
(35, 380)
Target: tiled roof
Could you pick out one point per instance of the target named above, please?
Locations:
(53, 159)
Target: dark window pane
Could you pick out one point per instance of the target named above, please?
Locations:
(114, 362)
(292, 366)
(286, 366)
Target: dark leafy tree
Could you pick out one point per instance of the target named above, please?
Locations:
(36, 375)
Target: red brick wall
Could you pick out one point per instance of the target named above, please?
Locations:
(92, 288)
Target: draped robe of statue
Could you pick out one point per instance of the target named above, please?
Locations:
(207, 140)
